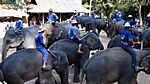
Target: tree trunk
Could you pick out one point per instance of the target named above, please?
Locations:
(140, 16)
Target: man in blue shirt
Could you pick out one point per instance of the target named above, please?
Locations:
(130, 20)
(93, 14)
(19, 25)
(41, 47)
(147, 21)
(117, 16)
(72, 34)
(126, 42)
(52, 17)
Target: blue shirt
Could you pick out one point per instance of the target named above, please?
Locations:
(93, 14)
(39, 40)
(19, 24)
(117, 16)
(130, 21)
(125, 36)
(147, 20)
(52, 17)
(72, 32)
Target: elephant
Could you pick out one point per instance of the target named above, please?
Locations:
(19, 41)
(47, 77)
(87, 22)
(114, 65)
(92, 23)
(69, 48)
(54, 33)
(61, 32)
(26, 64)
(146, 38)
(101, 25)
(114, 28)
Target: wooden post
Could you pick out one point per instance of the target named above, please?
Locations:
(43, 18)
(60, 17)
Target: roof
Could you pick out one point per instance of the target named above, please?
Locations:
(12, 12)
(9, 10)
(58, 6)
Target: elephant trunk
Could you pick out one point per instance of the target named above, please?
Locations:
(4, 50)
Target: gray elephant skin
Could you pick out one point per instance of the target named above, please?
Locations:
(114, 65)
(69, 48)
(61, 32)
(47, 77)
(25, 65)
(114, 28)
(146, 38)
(24, 40)
(92, 23)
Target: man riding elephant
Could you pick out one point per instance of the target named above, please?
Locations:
(19, 41)
(117, 16)
(19, 25)
(70, 49)
(41, 47)
(126, 42)
(114, 65)
(130, 20)
(72, 34)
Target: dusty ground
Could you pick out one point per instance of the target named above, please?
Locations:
(142, 77)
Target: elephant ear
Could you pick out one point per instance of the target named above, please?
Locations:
(146, 63)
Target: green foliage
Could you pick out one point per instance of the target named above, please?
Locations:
(105, 8)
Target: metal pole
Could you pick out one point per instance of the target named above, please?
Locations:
(90, 7)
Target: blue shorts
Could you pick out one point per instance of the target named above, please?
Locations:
(76, 40)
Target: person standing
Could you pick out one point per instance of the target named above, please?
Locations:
(126, 43)
(52, 17)
(72, 34)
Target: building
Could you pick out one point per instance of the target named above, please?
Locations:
(63, 8)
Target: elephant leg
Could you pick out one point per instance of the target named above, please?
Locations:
(63, 75)
(127, 80)
(76, 78)
(15, 80)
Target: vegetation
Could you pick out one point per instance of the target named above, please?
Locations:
(105, 8)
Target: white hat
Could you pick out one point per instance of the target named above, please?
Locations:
(18, 16)
(73, 22)
(148, 15)
(129, 15)
(116, 10)
(50, 9)
(41, 29)
(127, 24)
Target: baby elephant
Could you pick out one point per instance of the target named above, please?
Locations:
(48, 77)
